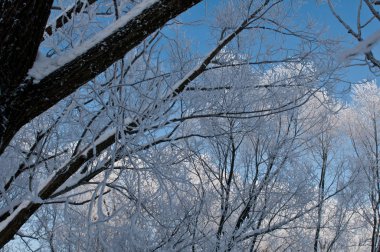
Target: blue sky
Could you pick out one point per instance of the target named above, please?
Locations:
(315, 10)
(347, 9)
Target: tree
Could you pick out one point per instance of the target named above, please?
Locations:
(127, 104)
(19, 88)
(364, 133)
(367, 17)
(330, 176)
(243, 172)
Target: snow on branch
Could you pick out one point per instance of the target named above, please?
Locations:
(363, 47)
(44, 66)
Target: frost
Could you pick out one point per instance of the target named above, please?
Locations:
(5, 223)
(364, 46)
(109, 133)
(44, 66)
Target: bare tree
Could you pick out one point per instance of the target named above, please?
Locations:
(125, 109)
(357, 27)
(364, 135)
(22, 27)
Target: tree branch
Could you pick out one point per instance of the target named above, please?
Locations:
(77, 67)
(65, 17)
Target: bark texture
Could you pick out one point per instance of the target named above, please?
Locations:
(22, 24)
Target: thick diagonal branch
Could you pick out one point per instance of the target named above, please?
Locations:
(83, 64)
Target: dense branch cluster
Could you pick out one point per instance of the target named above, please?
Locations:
(116, 134)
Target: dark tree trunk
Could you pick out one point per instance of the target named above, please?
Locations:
(22, 24)
(29, 100)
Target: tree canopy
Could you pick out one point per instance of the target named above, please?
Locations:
(118, 134)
